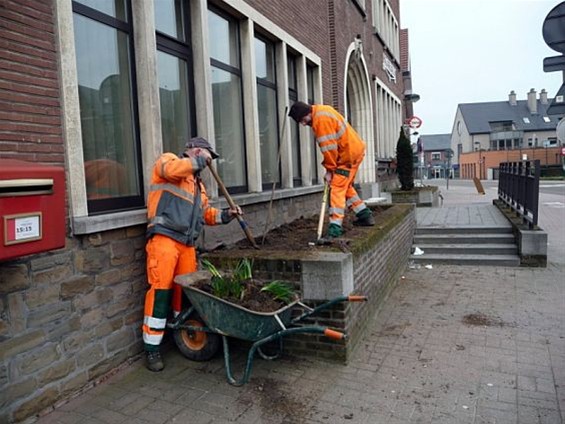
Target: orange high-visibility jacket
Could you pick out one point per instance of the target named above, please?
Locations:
(339, 143)
(177, 205)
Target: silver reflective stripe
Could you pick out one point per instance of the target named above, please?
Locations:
(333, 136)
(155, 323)
(153, 339)
(340, 211)
(329, 147)
(359, 208)
(174, 189)
(336, 221)
(352, 200)
(219, 217)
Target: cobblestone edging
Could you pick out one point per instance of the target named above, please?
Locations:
(378, 262)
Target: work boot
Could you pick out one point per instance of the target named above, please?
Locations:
(154, 360)
(364, 218)
(334, 231)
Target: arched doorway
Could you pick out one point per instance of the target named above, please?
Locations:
(358, 107)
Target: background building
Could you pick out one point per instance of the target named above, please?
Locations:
(485, 134)
(434, 156)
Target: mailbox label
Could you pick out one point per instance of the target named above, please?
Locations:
(22, 228)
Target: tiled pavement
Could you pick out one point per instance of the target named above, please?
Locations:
(452, 345)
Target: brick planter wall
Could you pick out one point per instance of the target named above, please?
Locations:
(426, 196)
(371, 268)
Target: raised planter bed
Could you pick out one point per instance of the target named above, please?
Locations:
(420, 196)
(367, 261)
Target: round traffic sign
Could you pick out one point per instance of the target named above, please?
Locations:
(560, 130)
(414, 122)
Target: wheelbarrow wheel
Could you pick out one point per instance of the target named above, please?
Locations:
(196, 345)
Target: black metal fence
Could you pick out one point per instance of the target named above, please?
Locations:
(518, 187)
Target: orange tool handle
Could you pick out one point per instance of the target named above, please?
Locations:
(353, 298)
(334, 335)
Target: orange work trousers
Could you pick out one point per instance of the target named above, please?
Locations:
(166, 258)
(343, 195)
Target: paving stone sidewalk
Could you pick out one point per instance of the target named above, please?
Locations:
(453, 345)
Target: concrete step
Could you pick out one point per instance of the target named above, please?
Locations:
(470, 249)
(421, 239)
(484, 260)
(464, 230)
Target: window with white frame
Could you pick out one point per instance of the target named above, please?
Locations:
(389, 121)
(436, 155)
(386, 26)
(313, 150)
(225, 60)
(110, 140)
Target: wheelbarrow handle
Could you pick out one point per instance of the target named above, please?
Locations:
(354, 298)
(334, 335)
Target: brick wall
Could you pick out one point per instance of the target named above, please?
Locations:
(68, 317)
(471, 165)
(30, 113)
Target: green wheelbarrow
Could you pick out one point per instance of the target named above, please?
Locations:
(197, 329)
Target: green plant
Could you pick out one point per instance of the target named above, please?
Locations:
(405, 162)
(280, 291)
(232, 286)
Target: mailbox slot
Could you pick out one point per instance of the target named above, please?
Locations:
(26, 187)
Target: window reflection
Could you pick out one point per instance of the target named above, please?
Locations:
(103, 68)
(173, 95)
(114, 8)
(169, 18)
(227, 101)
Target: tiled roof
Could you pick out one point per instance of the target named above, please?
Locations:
(478, 115)
(436, 142)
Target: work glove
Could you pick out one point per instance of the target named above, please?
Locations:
(328, 177)
(228, 214)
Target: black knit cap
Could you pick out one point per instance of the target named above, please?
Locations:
(203, 144)
(299, 110)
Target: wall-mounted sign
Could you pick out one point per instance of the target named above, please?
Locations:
(22, 228)
(414, 122)
(389, 68)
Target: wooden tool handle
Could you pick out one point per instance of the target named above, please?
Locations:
(323, 210)
(233, 206)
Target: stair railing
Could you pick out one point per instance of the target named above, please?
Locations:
(518, 187)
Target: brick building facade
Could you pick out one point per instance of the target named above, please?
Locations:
(97, 88)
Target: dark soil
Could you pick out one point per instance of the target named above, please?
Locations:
(301, 234)
(480, 319)
(253, 298)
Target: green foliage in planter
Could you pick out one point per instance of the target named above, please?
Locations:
(404, 159)
(232, 286)
(280, 291)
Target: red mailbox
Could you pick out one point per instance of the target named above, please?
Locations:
(32, 208)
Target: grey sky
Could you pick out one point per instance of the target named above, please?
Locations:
(466, 51)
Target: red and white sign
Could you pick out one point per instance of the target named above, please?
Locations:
(563, 151)
(414, 122)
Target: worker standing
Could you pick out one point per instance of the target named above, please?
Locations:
(343, 151)
(177, 208)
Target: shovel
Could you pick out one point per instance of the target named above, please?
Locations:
(240, 219)
(319, 239)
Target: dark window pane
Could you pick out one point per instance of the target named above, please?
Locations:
(106, 110)
(114, 8)
(268, 137)
(173, 94)
(264, 60)
(228, 125)
(224, 41)
(169, 18)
